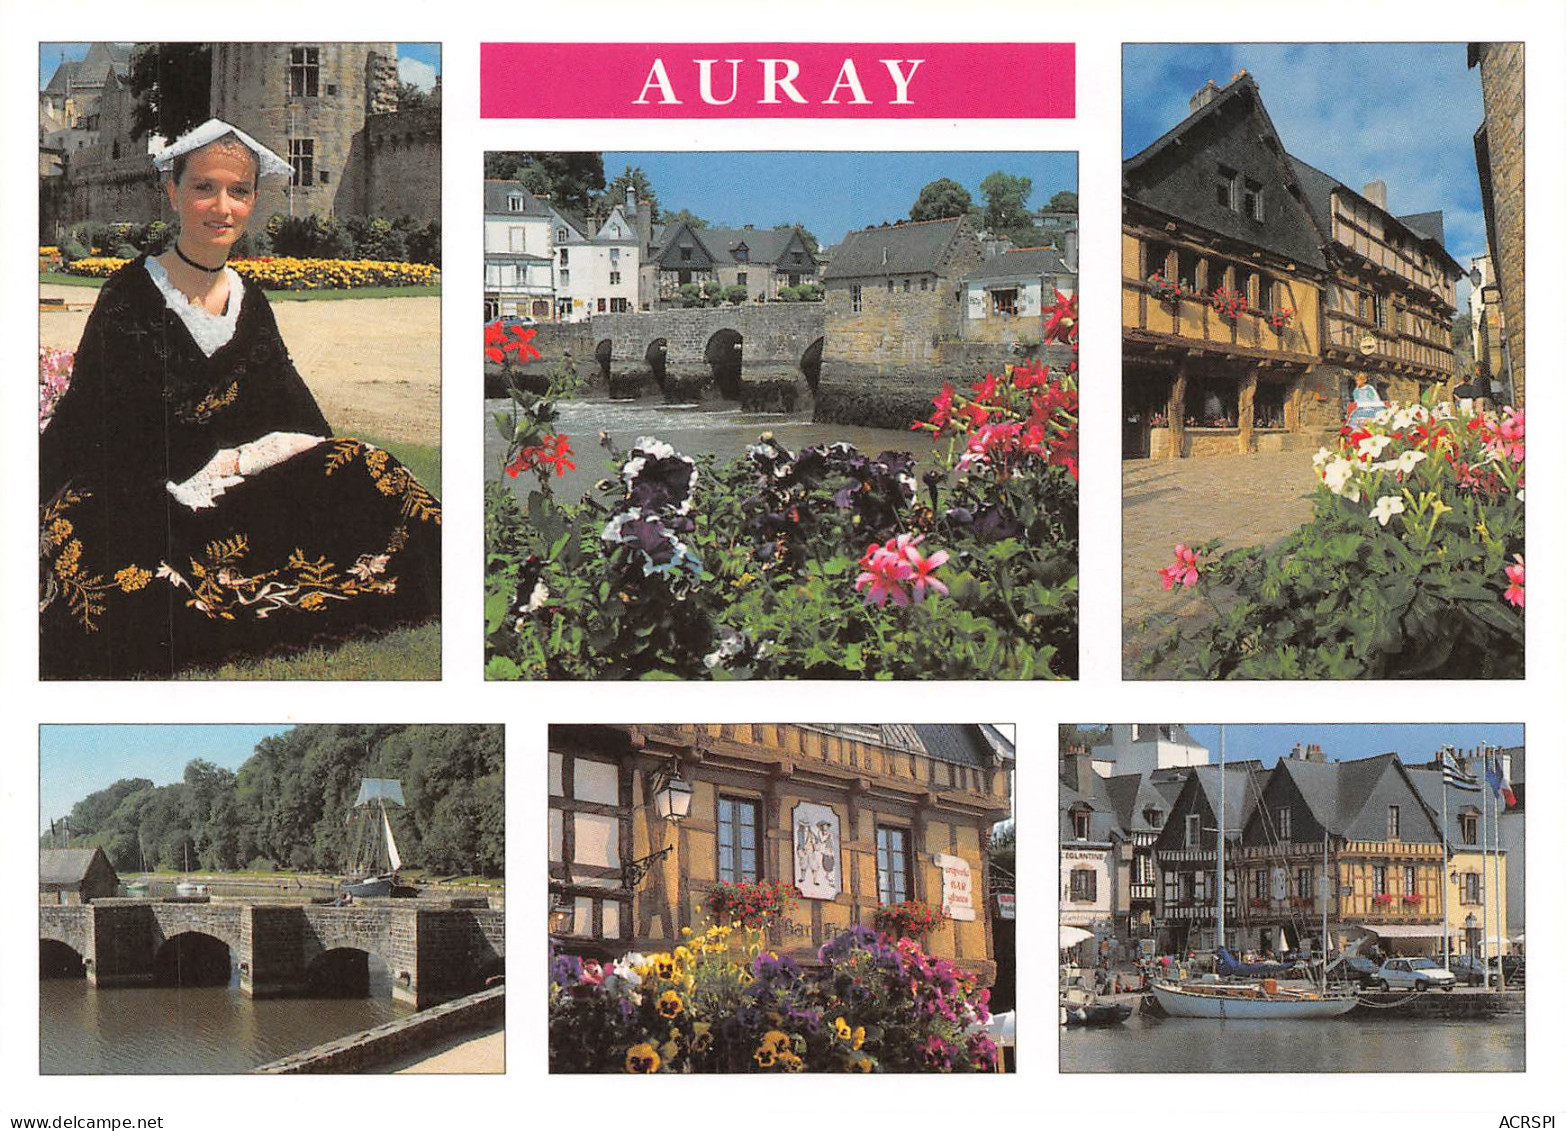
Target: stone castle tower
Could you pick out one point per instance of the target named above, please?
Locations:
(309, 102)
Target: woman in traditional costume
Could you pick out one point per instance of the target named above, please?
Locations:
(1364, 400)
(195, 506)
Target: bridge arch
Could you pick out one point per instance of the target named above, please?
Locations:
(193, 958)
(657, 358)
(58, 959)
(725, 353)
(348, 971)
(603, 353)
(810, 363)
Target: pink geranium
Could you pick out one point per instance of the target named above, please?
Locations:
(1182, 571)
(899, 570)
(1516, 575)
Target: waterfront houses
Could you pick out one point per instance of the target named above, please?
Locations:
(1255, 288)
(518, 255)
(761, 260)
(855, 817)
(75, 876)
(597, 264)
(1006, 296)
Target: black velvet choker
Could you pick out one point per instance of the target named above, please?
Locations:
(187, 259)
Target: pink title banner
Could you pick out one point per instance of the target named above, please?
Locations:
(778, 80)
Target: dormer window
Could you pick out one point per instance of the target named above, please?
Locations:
(1226, 188)
(1253, 199)
(1082, 822)
(514, 202)
(1154, 817)
(742, 254)
(561, 235)
(1284, 819)
(1193, 830)
(614, 231)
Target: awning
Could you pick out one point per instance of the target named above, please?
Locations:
(1071, 936)
(1405, 930)
(1002, 1028)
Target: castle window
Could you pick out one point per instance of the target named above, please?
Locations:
(1468, 826)
(301, 155)
(1378, 879)
(304, 72)
(742, 278)
(561, 235)
(1285, 821)
(742, 254)
(856, 299)
(1410, 880)
(685, 255)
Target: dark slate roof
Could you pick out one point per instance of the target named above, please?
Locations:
(1132, 795)
(1032, 262)
(1102, 822)
(1428, 783)
(92, 70)
(65, 866)
(1426, 227)
(764, 244)
(964, 745)
(1233, 129)
(900, 249)
(1242, 789)
(497, 200)
(1339, 793)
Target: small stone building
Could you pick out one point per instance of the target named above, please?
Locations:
(762, 260)
(75, 876)
(1006, 297)
(855, 817)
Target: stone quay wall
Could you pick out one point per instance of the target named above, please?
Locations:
(372, 1048)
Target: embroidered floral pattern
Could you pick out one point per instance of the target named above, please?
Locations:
(208, 406)
(220, 587)
(64, 575)
(391, 479)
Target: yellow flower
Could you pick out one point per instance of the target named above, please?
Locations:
(775, 1040)
(701, 1036)
(664, 966)
(765, 1056)
(861, 1063)
(790, 1062)
(844, 1031)
(859, 1037)
(69, 560)
(670, 1006)
(132, 578)
(642, 1059)
(682, 955)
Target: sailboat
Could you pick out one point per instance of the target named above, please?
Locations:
(374, 861)
(1262, 999)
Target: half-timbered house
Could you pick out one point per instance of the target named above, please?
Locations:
(1187, 854)
(855, 817)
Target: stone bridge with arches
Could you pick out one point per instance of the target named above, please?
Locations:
(730, 344)
(435, 949)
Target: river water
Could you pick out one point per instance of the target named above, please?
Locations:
(1347, 1045)
(715, 427)
(213, 1029)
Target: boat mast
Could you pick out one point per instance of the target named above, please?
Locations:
(1222, 884)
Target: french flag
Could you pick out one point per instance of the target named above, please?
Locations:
(1495, 774)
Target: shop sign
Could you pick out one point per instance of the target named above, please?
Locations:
(956, 887)
(1006, 902)
(817, 852)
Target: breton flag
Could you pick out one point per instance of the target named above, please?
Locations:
(1452, 774)
(1495, 775)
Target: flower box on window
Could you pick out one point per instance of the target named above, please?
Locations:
(1228, 304)
(1165, 290)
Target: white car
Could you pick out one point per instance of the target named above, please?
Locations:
(1412, 974)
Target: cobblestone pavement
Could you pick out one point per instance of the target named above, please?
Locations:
(1245, 500)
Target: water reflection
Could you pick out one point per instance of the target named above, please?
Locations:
(210, 1029)
(1351, 1045)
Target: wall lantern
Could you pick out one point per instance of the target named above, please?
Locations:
(672, 796)
(562, 913)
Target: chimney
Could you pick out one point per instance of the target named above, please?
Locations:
(630, 197)
(1204, 96)
(1313, 753)
(750, 227)
(1376, 193)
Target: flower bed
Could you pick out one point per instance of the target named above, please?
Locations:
(1411, 565)
(284, 274)
(822, 563)
(873, 1005)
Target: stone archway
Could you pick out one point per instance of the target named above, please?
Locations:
(810, 363)
(657, 357)
(193, 958)
(603, 353)
(725, 353)
(58, 959)
(347, 971)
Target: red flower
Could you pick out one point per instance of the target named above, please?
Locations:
(500, 340)
(1061, 325)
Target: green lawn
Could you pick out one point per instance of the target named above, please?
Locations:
(404, 653)
(276, 296)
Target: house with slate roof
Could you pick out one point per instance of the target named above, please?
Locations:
(1384, 857)
(1187, 853)
(1254, 287)
(75, 876)
(597, 265)
(762, 260)
(519, 262)
(855, 816)
(893, 294)
(1004, 299)
(1089, 842)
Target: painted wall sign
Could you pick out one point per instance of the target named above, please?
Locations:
(777, 80)
(818, 856)
(956, 887)
(1006, 902)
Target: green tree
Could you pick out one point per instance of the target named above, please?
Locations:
(684, 216)
(1006, 201)
(1072, 736)
(172, 86)
(941, 200)
(92, 813)
(805, 234)
(1063, 201)
(410, 97)
(632, 176)
(570, 180)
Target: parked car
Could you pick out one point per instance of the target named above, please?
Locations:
(1356, 968)
(1413, 974)
(1468, 968)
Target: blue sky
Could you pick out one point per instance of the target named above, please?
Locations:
(1404, 113)
(829, 193)
(77, 760)
(417, 63)
(1414, 742)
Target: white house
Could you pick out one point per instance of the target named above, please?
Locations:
(519, 263)
(596, 270)
(1141, 748)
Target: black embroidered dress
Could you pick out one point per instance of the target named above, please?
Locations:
(331, 543)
